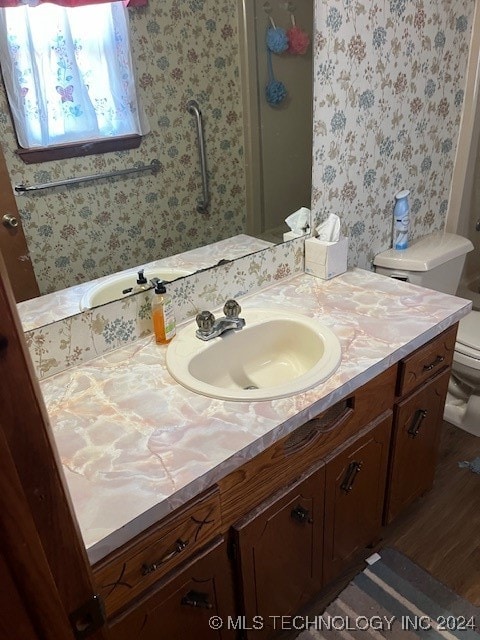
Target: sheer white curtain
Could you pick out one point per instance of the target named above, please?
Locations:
(68, 73)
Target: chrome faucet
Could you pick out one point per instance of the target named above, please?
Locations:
(209, 328)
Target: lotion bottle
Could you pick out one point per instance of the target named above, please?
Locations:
(163, 314)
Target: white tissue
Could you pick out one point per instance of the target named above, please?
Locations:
(299, 221)
(329, 231)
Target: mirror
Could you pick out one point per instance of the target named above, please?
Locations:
(258, 155)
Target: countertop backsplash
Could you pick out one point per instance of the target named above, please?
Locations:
(80, 338)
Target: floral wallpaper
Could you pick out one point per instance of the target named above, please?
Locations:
(388, 86)
(182, 49)
(389, 80)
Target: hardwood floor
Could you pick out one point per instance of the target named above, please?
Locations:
(441, 531)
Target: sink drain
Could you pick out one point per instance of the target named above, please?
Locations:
(251, 386)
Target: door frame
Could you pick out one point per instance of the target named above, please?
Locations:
(251, 119)
(468, 137)
(13, 244)
(41, 543)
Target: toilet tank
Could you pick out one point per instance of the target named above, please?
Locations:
(434, 261)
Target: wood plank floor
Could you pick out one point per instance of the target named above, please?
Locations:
(441, 531)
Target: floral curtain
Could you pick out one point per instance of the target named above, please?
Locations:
(68, 73)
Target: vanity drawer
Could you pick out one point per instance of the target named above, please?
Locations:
(426, 361)
(124, 575)
(288, 458)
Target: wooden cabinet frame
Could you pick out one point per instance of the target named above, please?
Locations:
(42, 549)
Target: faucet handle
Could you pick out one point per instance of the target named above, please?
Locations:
(231, 309)
(205, 320)
(141, 279)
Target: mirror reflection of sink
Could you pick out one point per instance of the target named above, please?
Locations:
(276, 354)
(113, 288)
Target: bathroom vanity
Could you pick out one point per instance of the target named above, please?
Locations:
(289, 521)
(254, 507)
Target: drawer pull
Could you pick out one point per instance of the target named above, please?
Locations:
(418, 418)
(300, 514)
(334, 418)
(196, 599)
(352, 471)
(438, 360)
(179, 546)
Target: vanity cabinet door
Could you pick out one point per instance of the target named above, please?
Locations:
(278, 547)
(180, 606)
(355, 492)
(416, 434)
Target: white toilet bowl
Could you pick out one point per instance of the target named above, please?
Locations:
(462, 407)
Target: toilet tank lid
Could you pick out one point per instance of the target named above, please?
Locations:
(425, 253)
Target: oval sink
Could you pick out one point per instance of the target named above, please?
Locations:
(277, 354)
(113, 288)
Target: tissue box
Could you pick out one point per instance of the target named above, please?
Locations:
(326, 259)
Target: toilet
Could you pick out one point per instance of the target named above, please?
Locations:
(436, 262)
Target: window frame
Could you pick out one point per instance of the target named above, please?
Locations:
(34, 155)
(78, 149)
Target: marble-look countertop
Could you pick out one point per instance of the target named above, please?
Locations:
(135, 444)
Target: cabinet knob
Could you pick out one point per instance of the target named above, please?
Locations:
(196, 599)
(300, 514)
(352, 471)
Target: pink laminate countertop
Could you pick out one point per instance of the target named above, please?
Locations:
(135, 444)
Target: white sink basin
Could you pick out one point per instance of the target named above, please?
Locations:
(276, 354)
(112, 288)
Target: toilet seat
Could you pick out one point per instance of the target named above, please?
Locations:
(468, 336)
(472, 362)
(467, 346)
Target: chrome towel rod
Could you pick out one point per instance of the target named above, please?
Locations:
(154, 166)
(194, 109)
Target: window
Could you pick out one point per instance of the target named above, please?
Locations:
(68, 73)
